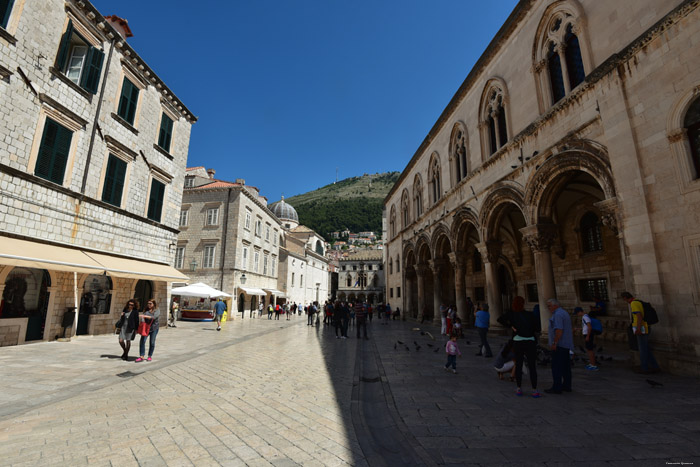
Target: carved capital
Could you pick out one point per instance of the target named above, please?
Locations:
(458, 262)
(490, 250)
(609, 214)
(676, 135)
(540, 65)
(540, 237)
(421, 269)
(437, 265)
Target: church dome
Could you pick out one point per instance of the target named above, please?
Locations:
(284, 211)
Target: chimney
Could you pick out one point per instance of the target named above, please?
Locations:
(121, 25)
(240, 181)
(211, 173)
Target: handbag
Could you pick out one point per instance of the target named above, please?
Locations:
(144, 328)
(119, 323)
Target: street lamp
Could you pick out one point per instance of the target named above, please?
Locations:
(193, 265)
(243, 278)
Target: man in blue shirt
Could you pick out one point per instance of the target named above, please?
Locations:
(561, 341)
(219, 309)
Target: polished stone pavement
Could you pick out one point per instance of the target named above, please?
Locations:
(267, 392)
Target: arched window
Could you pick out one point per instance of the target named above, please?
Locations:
(405, 209)
(398, 264)
(417, 196)
(434, 179)
(494, 123)
(348, 280)
(591, 238)
(391, 266)
(458, 153)
(392, 222)
(559, 59)
(691, 122)
(319, 247)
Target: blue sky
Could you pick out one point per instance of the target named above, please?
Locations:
(288, 91)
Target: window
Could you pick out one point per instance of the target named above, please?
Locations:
(493, 116)
(589, 289)
(392, 222)
(391, 293)
(213, 216)
(179, 257)
(247, 219)
(348, 280)
(574, 61)
(184, 215)
(391, 266)
(556, 78)
(53, 152)
(381, 267)
(434, 179)
(591, 238)
(274, 237)
(273, 266)
(265, 258)
(691, 122)
(398, 264)
(267, 232)
(292, 279)
(532, 295)
(405, 209)
(79, 61)
(258, 228)
(301, 280)
(189, 182)
(256, 260)
(418, 196)
(155, 200)
(458, 152)
(114, 181)
(128, 101)
(166, 132)
(398, 292)
(5, 9)
(354, 267)
(209, 256)
(244, 258)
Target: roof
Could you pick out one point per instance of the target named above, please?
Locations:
(214, 184)
(284, 210)
(188, 169)
(365, 255)
(123, 23)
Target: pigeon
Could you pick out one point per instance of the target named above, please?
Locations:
(430, 335)
(422, 333)
(394, 346)
(407, 348)
(429, 344)
(437, 349)
(400, 342)
(653, 383)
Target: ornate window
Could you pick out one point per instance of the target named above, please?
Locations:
(691, 122)
(405, 209)
(591, 238)
(458, 153)
(398, 264)
(418, 196)
(391, 266)
(392, 222)
(494, 126)
(559, 58)
(434, 184)
(683, 132)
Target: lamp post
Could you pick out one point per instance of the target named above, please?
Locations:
(193, 265)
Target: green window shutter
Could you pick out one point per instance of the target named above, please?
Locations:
(114, 181)
(93, 68)
(64, 48)
(5, 9)
(166, 132)
(128, 101)
(53, 152)
(155, 201)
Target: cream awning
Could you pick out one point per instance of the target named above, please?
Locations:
(16, 252)
(276, 293)
(252, 290)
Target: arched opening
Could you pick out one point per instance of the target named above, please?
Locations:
(26, 295)
(254, 303)
(96, 299)
(143, 292)
(241, 303)
(691, 122)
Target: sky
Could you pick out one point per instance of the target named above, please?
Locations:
(289, 92)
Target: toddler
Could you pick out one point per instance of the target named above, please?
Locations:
(452, 350)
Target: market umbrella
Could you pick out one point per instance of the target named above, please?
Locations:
(199, 290)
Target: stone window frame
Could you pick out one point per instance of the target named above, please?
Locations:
(435, 178)
(209, 262)
(273, 265)
(8, 32)
(179, 260)
(495, 103)
(92, 41)
(398, 263)
(418, 196)
(189, 181)
(256, 259)
(548, 35)
(266, 261)
(164, 178)
(589, 276)
(579, 230)
(405, 209)
(391, 265)
(245, 258)
(268, 228)
(64, 118)
(172, 115)
(258, 227)
(212, 215)
(680, 145)
(248, 218)
(459, 153)
(186, 212)
(142, 85)
(392, 221)
(119, 150)
(691, 244)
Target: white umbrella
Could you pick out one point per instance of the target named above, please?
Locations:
(199, 290)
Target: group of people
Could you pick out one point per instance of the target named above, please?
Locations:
(134, 320)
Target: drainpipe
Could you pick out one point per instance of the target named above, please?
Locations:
(97, 117)
(223, 241)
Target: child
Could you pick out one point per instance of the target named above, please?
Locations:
(452, 350)
(588, 335)
(458, 327)
(505, 361)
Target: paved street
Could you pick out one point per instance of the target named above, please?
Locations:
(266, 392)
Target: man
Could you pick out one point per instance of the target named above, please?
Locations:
(219, 309)
(470, 312)
(361, 316)
(277, 311)
(260, 310)
(309, 315)
(561, 341)
(174, 309)
(270, 309)
(647, 362)
(443, 320)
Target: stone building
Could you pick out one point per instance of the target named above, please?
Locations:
(93, 147)
(566, 165)
(361, 277)
(229, 239)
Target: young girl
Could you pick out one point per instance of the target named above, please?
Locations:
(458, 327)
(452, 350)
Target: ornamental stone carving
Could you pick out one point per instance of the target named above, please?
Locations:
(490, 250)
(609, 214)
(540, 237)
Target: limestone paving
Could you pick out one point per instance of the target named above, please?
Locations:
(267, 392)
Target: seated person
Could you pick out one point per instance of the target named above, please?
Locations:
(505, 361)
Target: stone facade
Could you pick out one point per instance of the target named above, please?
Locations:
(361, 277)
(562, 167)
(62, 70)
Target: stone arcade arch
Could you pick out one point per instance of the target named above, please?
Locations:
(443, 273)
(465, 234)
(424, 278)
(410, 282)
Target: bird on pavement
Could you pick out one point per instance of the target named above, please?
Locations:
(400, 342)
(429, 335)
(407, 348)
(653, 383)
(437, 349)
(429, 344)
(394, 346)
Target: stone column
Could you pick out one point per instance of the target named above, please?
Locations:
(420, 283)
(540, 238)
(458, 264)
(490, 252)
(436, 266)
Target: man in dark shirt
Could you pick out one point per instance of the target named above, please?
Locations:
(361, 316)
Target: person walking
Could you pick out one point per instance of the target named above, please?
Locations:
(151, 315)
(452, 351)
(174, 310)
(470, 313)
(270, 309)
(277, 311)
(641, 330)
(128, 324)
(219, 309)
(561, 341)
(309, 315)
(524, 344)
(260, 310)
(361, 315)
(483, 319)
(443, 320)
(588, 343)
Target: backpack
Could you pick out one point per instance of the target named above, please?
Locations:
(596, 326)
(650, 315)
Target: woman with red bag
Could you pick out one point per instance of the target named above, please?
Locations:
(148, 326)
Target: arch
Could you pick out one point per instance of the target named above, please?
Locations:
(405, 209)
(494, 116)
(459, 159)
(435, 178)
(575, 156)
(502, 194)
(463, 218)
(441, 234)
(417, 196)
(686, 164)
(423, 251)
(392, 221)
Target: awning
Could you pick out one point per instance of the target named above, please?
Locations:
(199, 290)
(16, 252)
(252, 290)
(276, 293)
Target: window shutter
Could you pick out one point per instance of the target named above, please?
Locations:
(64, 48)
(93, 68)
(53, 152)
(114, 181)
(155, 202)
(5, 8)
(166, 131)
(128, 101)
(133, 100)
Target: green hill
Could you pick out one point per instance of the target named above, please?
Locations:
(354, 203)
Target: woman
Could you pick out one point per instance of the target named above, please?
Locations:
(150, 315)
(129, 323)
(525, 328)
